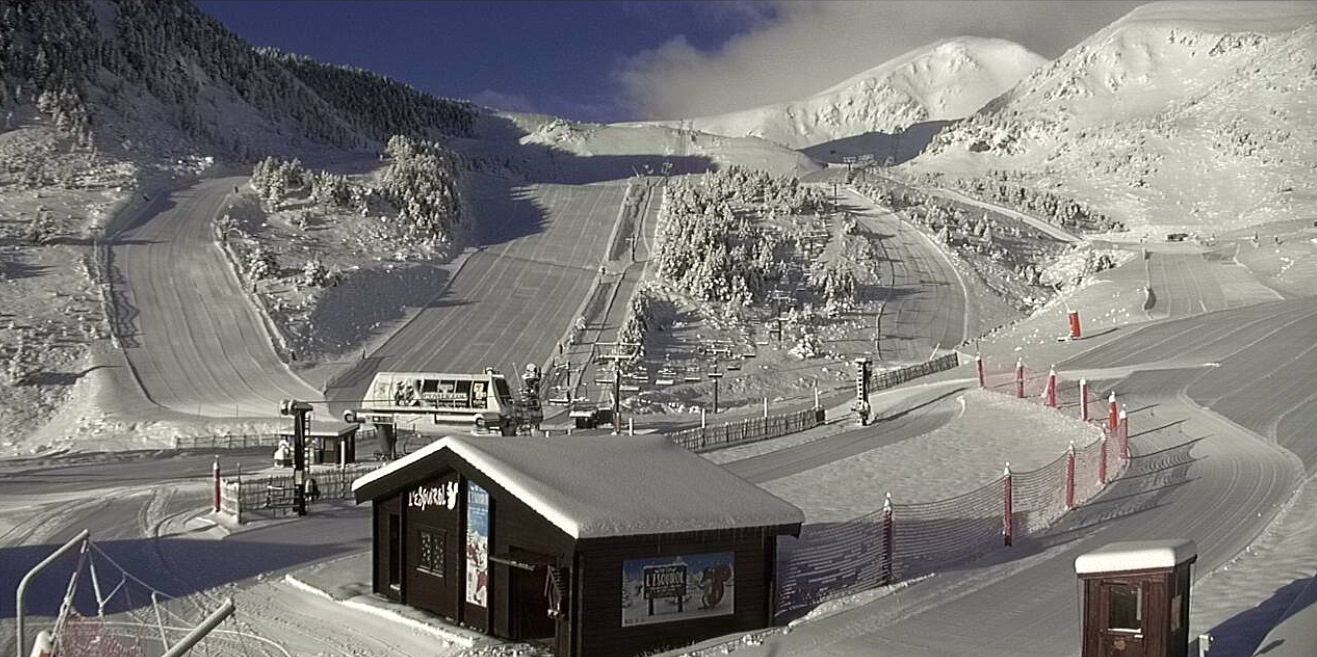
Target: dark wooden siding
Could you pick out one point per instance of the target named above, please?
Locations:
(515, 525)
(436, 592)
(380, 544)
(599, 623)
(1156, 615)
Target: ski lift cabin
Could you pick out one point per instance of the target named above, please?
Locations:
(431, 402)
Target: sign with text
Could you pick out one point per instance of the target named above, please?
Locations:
(677, 588)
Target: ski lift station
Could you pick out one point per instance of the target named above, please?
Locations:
(601, 545)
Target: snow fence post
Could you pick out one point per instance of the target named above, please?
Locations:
(1019, 378)
(1051, 387)
(1007, 522)
(765, 408)
(1124, 432)
(1111, 411)
(1070, 476)
(885, 566)
(978, 370)
(215, 480)
(1102, 460)
(1083, 399)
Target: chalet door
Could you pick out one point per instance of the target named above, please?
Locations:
(529, 612)
(1122, 617)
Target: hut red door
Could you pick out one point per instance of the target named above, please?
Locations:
(1121, 617)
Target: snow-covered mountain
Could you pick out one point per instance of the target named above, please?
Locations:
(1195, 114)
(949, 79)
(650, 148)
(151, 77)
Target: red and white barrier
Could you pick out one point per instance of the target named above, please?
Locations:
(1051, 387)
(1074, 324)
(1111, 412)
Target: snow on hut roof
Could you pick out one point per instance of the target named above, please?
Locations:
(596, 486)
(1136, 555)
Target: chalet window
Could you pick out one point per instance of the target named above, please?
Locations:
(1125, 608)
(431, 554)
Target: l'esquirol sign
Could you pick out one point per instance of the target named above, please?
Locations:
(443, 495)
(684, 587)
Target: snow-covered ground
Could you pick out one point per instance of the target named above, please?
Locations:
(1121, 122)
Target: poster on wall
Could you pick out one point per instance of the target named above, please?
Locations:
(477, 544)
(687, 586)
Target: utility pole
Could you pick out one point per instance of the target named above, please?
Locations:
(616, 355)
(778, 297)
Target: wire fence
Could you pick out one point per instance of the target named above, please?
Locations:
(905, 541)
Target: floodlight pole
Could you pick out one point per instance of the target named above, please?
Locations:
(22, 585)
(301, 412)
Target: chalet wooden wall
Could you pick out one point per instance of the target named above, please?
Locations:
(435, 591)
(600, 632)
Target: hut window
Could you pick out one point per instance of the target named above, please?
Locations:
(431, 555)
(1125, 607)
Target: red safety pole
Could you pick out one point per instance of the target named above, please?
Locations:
(1070, 476)
(1007, 521)
(215, 476)
(1074, 324)
(1051, 387)
(978, 369)
(1102, 460)
(1083, 399)
(1111, 412)
(888, 557)
(1124, 432)
(1019, 378)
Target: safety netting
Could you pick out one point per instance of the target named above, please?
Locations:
(107, 611)
(907, 540)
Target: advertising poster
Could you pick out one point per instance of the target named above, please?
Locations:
(477, 544)
(668, 589)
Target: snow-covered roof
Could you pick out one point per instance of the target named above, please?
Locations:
(1136, 555)
(597, 486)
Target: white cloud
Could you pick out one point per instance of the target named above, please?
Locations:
(504, 101)
(800, 48)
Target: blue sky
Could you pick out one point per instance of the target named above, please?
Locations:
(639, 59)
(557, 57)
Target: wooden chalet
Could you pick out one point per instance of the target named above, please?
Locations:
(601, 546)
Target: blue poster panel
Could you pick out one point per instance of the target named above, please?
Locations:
(477, 544)
(669, 589)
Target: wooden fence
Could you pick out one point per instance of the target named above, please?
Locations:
(893, 378)
(749, 430)
(271, 495)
